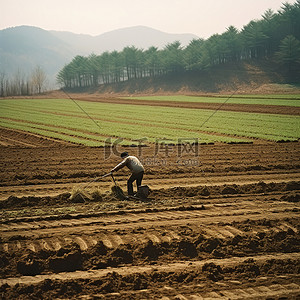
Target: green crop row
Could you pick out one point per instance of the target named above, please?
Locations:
(286, 100)
(95, 122)
(113, 120)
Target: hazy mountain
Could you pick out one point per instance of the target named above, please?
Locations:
(24, 47)
(138, 36)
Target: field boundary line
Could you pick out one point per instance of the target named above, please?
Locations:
(82, 109)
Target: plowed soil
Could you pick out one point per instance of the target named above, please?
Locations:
(222, 224)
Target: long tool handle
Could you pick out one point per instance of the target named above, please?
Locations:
(95, 179)
(106, 175)
(113, 178)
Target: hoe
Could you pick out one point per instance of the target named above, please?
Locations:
(142, 193)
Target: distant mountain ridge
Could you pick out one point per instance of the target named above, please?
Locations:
(24, 47)
(138, 36)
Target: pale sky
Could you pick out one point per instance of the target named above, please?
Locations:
(200, 17)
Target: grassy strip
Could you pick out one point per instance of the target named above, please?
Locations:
(286, 100)
(48, 133)
(136, 122)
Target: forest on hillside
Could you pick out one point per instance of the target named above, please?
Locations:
(275, 36)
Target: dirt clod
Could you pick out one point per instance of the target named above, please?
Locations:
(67, 263)
(213, 272)
(29, 266)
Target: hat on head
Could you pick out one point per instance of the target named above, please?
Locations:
(124, 154)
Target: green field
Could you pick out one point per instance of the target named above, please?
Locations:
(286, 100)
(63, 119)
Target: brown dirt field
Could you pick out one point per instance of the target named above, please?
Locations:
(220, 225)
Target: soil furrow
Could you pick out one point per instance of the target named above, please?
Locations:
(180, 217)
(170, 267)
(208, 180)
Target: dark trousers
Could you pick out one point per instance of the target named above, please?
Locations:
(138, 177)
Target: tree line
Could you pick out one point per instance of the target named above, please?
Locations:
(275, 36)
(21, 85)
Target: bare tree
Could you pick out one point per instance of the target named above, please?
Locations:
(38, 79)
(2, 85)
(16, 83)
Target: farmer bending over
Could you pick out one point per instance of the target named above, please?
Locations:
(136, 168)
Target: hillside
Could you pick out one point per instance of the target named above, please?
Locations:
(244, 77)
(23, 48)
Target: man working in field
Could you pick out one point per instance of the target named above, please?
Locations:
(136, 168)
